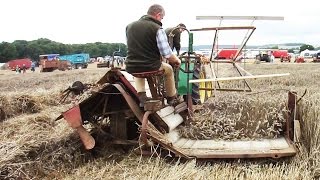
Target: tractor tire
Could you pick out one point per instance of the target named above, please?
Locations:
(210, 85)
(195, 86)
(200, 96)
(268, 59)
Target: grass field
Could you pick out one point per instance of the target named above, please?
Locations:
(35, 146)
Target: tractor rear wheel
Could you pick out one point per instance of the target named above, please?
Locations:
(200, 96)
(195, 86)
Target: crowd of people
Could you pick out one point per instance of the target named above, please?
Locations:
(24, 68)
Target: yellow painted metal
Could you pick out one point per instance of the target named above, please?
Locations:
(209, 86)
(202, 93)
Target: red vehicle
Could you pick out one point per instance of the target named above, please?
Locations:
(12, 64)
(280, 53)
(51, 62)
(226, 53)
(299, 59)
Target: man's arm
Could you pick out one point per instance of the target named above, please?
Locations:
(164, 48)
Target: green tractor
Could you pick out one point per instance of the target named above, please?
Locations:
(199, 67)
(193, 66)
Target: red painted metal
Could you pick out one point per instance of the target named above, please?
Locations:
(12, 64)
(280, 53)
(299, 59)
(227, 53)
(73, 117)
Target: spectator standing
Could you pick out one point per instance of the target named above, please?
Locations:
(174, 36)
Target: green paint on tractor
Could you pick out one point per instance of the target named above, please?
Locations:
(183, 79)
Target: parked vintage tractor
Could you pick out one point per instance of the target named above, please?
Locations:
(115, 61)
(316, 57)
(263, 56)
(299, 59)
(286, 58)
(51, 62)
(113, 108)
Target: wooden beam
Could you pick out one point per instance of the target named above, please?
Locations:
(239, 18)
(238, 78)
(241, 69)
(223, 61)
(224, 28)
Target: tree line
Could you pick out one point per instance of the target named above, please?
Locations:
(32, 49)
(300, 49)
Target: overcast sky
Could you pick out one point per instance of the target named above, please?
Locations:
(85, 21)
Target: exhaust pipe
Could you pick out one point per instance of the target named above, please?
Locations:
(73, 117)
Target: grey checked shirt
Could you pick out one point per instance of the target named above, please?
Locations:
(163, 44)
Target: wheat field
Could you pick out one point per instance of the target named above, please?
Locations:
(35, 146)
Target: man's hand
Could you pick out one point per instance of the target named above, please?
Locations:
(177, 63)
(174, 61)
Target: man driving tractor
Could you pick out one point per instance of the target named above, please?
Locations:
(147, 46)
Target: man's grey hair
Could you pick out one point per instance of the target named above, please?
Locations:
(155, 9)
